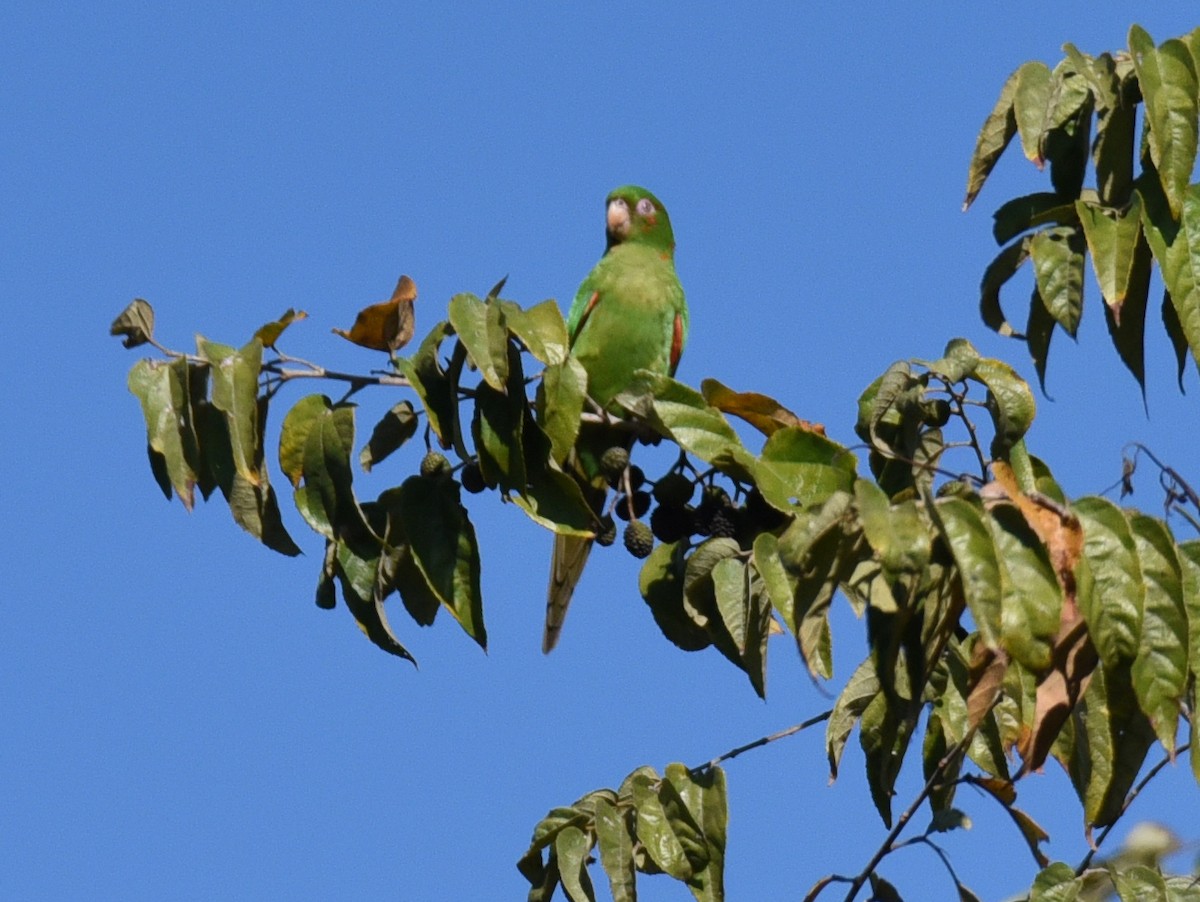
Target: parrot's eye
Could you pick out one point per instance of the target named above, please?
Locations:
(645, 206)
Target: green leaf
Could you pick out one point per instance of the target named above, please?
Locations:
(571, 847)
(1116, 124)
(616, 850)
(540, 328)
(883, 733)
(254, 507)
(1056, 883)
(428, 378)
(1167, 77)
(444, 546)
(681, 414)
(551, 498)
(1127, 322)
(326, 499)
(1112, 238)
(661, 583)
(397, 426)
(135, 323)
(1058, 267)
(800, 467)
(1189, 559)
(561, 401)
(963, 526)
(1039, 331)
(1140, 884)
(1028, 211)
(860, 689)
(1113, 610)
(947, 820)
(480, 327)
(497, 427)
(882, 890)
(667, 829)
(297, 425)
(357, 569)
(705, 797)
(818, 550)
(779, 587)
(1067, 139)
(1179, 341)
(999, 271)
(1031, 106)
(998, 129)
(1010, 403)
(1160, 669)
(166, 392)
(729, 583)
(1031, 599)
(235, 394)
(896, 532)
(544, 834)
(1176, 247)
(957, 362)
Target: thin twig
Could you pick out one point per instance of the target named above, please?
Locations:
(733, 753)
(889, 841)
(1153, 772)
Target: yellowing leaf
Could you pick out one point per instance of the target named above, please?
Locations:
(386, 326)
(763, 413)
(269, 333)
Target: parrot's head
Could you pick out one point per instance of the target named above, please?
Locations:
(636, 215)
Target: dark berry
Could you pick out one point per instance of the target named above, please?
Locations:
(674, 490)
(723, 523)
(639, 541)
(761, 514)
(472, 478)
(670, 524)
(607, 533)
(636, 478)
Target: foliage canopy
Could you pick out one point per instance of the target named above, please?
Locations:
(1006, 624)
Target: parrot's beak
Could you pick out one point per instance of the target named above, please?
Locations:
(618, 220)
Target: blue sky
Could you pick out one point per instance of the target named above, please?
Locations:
(180, 721)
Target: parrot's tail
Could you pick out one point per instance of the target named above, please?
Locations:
(570, 556)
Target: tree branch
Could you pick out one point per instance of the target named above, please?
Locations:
(1153, 772)
(733, 753)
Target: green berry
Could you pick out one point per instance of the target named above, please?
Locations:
(639, 541)
(434, 464)
(613, 463)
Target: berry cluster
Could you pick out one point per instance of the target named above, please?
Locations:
(675, 517)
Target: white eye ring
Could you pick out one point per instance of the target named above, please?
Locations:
(645, 206)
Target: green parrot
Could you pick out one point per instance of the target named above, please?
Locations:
(628, 314)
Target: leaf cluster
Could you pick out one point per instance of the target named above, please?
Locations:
(1083, 116)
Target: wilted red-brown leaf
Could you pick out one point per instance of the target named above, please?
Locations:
(1073, 658)
(387, 326)
(988, 667)
(1057, 527)
(762, 412)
